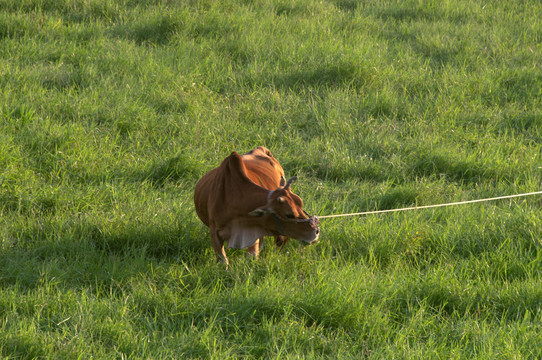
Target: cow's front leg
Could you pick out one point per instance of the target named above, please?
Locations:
(254, 250)
(280, 241)
(218, 245)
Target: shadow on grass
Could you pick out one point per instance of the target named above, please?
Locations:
(335, 74)
(157, 30)
(160, 29)
(465, 171)
(257, 318)
(417, 14)
(180, 166)
(176, 170)
(346, 5)
(91, 254)
(22, 347)
(523, 86)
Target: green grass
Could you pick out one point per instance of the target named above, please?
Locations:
(111, 110)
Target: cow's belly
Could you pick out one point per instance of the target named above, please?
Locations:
(241, 237)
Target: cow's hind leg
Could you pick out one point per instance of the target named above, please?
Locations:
(280, 241)
(218, 245)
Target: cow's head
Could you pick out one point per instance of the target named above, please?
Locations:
(286, 210)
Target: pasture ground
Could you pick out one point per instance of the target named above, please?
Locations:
(111, 110)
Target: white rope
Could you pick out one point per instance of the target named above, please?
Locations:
(431, 206)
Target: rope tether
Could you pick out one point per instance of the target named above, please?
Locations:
(432, 206)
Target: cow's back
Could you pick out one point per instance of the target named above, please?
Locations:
(263, 169)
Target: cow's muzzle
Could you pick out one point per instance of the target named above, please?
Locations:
(315, 223)
(311, 219)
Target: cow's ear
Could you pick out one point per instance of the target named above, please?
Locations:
(258, 212)
(282, 181)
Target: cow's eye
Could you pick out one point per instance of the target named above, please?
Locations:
(290, 216)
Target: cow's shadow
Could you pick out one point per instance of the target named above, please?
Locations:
(86, 255)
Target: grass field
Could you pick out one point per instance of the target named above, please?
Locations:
(111, 110)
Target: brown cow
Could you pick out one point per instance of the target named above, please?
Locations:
(247, 198)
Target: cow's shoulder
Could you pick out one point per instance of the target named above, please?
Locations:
(230, 177)
(233, 169)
